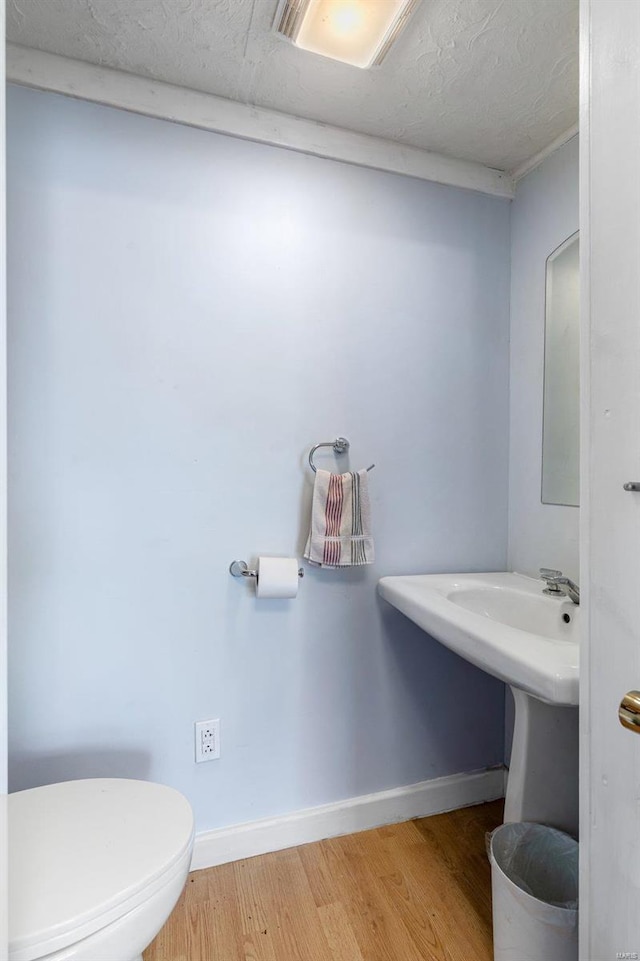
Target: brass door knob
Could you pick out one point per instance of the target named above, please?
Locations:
(629, 711)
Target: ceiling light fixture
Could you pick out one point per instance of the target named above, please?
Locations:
(358, 32)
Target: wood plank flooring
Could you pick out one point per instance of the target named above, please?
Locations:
(418, 891)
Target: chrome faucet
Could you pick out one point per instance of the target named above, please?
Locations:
(558, 585)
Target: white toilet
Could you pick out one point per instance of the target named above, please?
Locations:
(95, 868)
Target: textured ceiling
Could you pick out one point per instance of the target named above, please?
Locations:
(493, 81)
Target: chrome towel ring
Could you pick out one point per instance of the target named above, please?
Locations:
(340, 446)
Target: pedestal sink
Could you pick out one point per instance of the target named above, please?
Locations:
(505, 625)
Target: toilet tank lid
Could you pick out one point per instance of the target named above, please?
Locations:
(81, 853)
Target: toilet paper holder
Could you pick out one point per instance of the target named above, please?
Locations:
(241, 569)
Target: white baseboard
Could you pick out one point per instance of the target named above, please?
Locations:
(346, 817)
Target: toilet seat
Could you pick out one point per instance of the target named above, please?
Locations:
(83, 854)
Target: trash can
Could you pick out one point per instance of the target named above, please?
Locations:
(534, 884)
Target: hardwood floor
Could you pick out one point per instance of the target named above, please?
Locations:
(418, 891)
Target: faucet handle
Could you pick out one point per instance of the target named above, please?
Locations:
(547, 574)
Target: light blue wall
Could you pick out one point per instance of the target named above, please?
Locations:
(189, 313)
(544, 213)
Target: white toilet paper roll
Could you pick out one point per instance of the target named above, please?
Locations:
(277, 577)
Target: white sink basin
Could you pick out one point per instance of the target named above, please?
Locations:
(502, 623)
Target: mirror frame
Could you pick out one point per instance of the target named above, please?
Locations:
(565, 243)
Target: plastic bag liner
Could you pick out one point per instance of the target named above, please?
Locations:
(534, 878)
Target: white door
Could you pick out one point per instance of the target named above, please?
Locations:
(3, 516)
(610, 532)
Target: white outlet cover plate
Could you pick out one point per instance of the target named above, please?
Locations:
(207, 740)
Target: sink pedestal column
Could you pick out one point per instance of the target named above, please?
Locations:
(543, 777)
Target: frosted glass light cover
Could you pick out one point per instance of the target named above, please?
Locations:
(357, 32)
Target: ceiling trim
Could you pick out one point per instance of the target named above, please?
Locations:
(85, 81)
(535, 161)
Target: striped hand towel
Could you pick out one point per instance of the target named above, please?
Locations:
(340, 534)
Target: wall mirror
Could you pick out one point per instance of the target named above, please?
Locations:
(561, 412)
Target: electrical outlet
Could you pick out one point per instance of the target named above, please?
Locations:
(207, 740)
